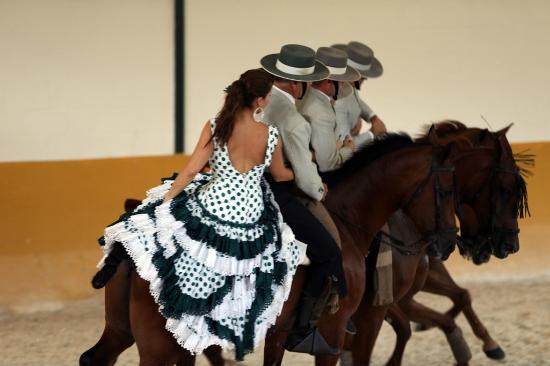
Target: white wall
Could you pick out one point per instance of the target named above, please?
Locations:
(82, 79)
(443, 58)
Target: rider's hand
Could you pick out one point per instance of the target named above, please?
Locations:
(377, 126)
(339, 144)
(357, 128)
(349, 143)
(325, 187)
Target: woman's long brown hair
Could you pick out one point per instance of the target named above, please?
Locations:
(241, 94)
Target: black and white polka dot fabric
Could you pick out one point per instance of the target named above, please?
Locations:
(218, 257)
(232, 195)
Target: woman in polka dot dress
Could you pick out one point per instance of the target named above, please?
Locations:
(218, 258)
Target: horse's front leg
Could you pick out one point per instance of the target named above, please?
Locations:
(440, 282)
(402, 328)
(333, 326)
(369, 320)
(422, 314)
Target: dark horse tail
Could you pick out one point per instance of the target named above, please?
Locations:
(117, 255)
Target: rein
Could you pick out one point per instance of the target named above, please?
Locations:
(404, 248)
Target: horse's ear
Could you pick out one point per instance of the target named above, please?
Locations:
(504, 131)
(432, 136)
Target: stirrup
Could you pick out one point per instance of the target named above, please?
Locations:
(314, 344)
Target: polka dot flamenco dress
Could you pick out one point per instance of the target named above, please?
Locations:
(218, 257)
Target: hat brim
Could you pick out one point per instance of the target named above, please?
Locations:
(268, 64)
(375, 70)
(350, 75)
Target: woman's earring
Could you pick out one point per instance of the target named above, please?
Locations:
(258, 114)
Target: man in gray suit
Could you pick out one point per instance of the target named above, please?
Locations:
(350, 109)
(293, 68)
(331, 150)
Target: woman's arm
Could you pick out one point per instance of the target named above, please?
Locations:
(197, 161)
(277, 168)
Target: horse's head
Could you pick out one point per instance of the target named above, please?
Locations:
(491, 194)
(508, 199)
(432, 205)
(473, 171)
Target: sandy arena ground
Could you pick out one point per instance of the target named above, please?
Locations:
(516, 313)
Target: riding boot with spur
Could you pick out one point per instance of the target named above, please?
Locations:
(304, 336)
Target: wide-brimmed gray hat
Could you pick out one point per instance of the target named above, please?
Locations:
(361, 57)
(295, 62)
(337, 63)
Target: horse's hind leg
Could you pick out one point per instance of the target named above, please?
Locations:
(214, 356)
(117, 335)
(441, 283)
(106, 351)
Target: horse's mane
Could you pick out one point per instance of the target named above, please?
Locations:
(381, 146)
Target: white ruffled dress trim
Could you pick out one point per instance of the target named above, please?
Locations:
(191, 332)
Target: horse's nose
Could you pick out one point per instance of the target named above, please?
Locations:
(449, 241)
(512, 244)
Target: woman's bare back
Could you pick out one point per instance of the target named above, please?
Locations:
(247, 144)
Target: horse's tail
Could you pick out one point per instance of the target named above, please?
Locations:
(117, 255)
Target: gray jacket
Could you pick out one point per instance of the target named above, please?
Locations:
(317, 109)
(295, 132)
(349, 107)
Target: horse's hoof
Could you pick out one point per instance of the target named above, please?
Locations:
(419, 327)
(495, 353)
(86, 358)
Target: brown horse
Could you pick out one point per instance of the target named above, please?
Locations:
(360, 206)
(480, 236)
(474, 173)
(417, 174)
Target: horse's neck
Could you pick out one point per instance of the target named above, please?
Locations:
(370, 196)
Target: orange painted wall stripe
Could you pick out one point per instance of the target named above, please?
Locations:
(51, 214)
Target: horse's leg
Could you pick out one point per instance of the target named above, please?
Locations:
(117, 335)
(422, 314)
(156, 346)
(188, 359)
(402, 328)
(441, 283)
(346, 357)
(369, 321)
(332, 327)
